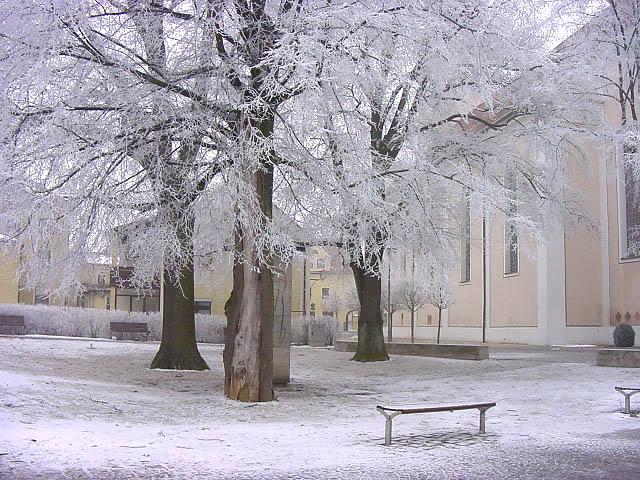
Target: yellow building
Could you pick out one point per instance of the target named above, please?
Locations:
(94, 277)
(332, 291)
(212, 289)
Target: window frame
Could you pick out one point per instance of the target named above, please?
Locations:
(200, 301)
(511, 246)
(465, 241)
(623, 228)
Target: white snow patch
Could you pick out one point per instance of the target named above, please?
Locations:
(67, 407)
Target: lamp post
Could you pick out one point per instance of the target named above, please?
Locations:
(389, 308)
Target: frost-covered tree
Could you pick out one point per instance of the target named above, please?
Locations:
(134, 114)
(431, 101)
(270, 53)
(412, 296)
(438, 291)
(112, 118)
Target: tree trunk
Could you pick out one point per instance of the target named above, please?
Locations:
(232, 311)
(413, 311)
(178, 348)
(249, 348)
(439, 323)
(389, 308)
(371, 346)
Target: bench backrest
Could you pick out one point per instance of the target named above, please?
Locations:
(12, 320)
(128, 327)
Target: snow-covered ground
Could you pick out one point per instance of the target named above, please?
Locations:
(81, 408)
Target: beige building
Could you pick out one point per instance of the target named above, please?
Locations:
(572, 287)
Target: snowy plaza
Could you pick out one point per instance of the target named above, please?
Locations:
(319, 239)
(85, 408)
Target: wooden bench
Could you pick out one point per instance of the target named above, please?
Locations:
(627, 392)
(129, 327)
(394, 412)
(12, 321)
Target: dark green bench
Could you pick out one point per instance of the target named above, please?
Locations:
(130, 327)
(13, 322)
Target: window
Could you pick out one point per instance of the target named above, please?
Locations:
(123, 303)
(325, 293)
(203, 307)
(137, 304)
(465, 240)
(132, 300)
(102, 280)
(630, 221)
(151, 304)
(320, 263)
(511, 250)
(327, 313)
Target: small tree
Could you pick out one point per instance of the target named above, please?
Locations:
(439, 294)
(412, 295)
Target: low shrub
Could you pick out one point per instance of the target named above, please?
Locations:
(329, 327)
(93, 323)
(624, 335)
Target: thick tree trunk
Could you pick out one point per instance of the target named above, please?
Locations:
(439, 323)
(371, 346)
(249, 348)
(178, 348)
(232, 311)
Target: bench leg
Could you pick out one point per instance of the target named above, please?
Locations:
(627, 398)
(483, 411)
(627, 403)
(387, 425)
(387, 431)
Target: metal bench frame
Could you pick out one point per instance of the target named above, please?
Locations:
(482, 407)
(627, 392)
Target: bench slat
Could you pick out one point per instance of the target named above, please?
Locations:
(446, 408)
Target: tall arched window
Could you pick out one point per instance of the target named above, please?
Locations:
(630, 217)
(511, 249)
(465, 239)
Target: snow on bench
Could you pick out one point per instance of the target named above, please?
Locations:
(394, 412)
(628, 392)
